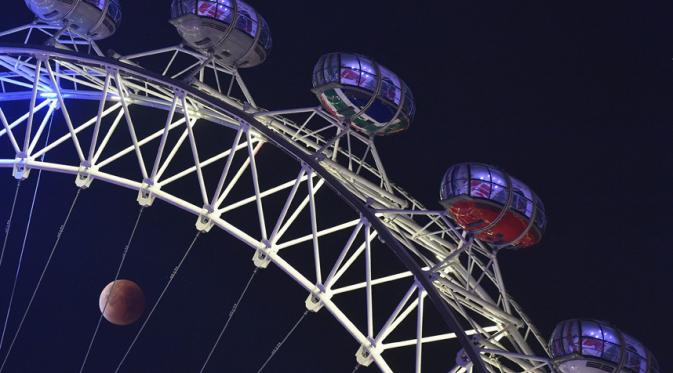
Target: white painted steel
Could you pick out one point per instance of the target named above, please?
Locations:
(465, 273)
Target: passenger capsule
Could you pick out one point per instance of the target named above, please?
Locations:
(95, 19)
(495, 207)
(231, 30)
(589, 346)
(355, 88)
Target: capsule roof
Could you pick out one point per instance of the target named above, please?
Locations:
(357, 88)
(219, 34)
(597, 341)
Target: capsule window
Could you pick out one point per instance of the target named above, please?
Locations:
(367, 66)
(182, 7)
(350, 61)
(521, 203)
(499, 193)
(349, 76)
(635, 354)
(100, 4)
(367, 81)
(392, 83)
(460, 172)
(457, 178)
(522, 200)
(497, 177)
(633, 362)
(207, 9)
(247, 19)
(114, 11)
(540, 218)
(390, 92)
(480, 188)
(387, 75)
(246, 24)
(569, 337)
(571, 344)
(459, 186)
(265, 35)
(612, 352)
(408, 107)
(479, 172)
(592, 339)
(332, 69)
(610, 335)
(480, 181)
(591, 329)
(224, 12)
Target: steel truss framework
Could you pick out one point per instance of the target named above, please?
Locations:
(198, 99)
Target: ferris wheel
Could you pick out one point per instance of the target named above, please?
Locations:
(179, 125)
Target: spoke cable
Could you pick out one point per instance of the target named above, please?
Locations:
(9, 221)
(357, 367)
(114, 284)
(161, 295)
(231, 315)
(25, 238)
(280, 344)
(39, 282)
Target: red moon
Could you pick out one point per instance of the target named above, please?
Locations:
(126, 303)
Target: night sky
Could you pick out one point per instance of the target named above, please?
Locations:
(573, 98)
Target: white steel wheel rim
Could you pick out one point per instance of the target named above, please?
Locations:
(510, 330)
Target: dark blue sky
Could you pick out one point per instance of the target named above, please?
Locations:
(574, 98)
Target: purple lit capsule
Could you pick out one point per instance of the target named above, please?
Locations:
(231, 30)
(590, 346)
(94, 19)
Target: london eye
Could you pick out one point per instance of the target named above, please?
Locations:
(170, 184)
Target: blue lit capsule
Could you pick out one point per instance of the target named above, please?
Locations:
(369, 96)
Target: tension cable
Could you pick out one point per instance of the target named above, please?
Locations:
(9, 221)
(149, 315)
(39, 282)
(231, 315)
(25, 237)
(280, 344)
(114, 284)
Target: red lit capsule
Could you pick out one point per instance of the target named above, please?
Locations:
(497, 208)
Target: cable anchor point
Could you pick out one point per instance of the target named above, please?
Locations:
(262, 258)
(20, 171)
(204, 223)
(146, 192)
(364, 354)
(319, 294)
(84, 179)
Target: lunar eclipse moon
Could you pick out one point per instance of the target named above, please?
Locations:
(124, 305)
